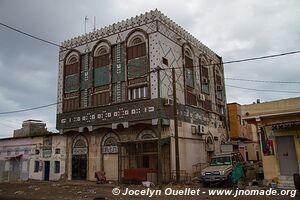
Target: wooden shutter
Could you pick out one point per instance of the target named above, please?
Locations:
(136, 51)
(102, 98)
(191, 99)
(204, 71)
(72, 69)
(102, 60)
(207, 105)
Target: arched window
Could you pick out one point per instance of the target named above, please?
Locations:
(189, 67)
(136, 47)
(80, 146)
(101, 95)
(219, 84)
(204, 73)
(189, 76)
(137, 66)
(101, 55)
(146, 134)
(71, 82)
(72, 64)
(136, 40)
(110, 143)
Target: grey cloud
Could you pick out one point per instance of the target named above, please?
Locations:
(233, 29)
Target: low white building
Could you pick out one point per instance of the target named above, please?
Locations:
(47, 161)
(32, 157)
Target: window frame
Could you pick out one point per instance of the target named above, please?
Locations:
(138, 93)
(36, 168)
(56, 167)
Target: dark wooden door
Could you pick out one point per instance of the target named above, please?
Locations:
(47, 170)
(79, 167)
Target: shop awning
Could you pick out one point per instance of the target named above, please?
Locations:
(14, 157)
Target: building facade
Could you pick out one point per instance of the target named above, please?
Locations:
(39, 157)
(278, 124)
(244, 134)
(30, 126)
(110, 106)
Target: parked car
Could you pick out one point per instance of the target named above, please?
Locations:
(221, 167)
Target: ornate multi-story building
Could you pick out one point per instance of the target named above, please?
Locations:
(109, 107)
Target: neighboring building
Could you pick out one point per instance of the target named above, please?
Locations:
(109, 92)
(243, 134)
(30, 127)
(47, 161)
(33, 157)
(278, 125)
(14, 158)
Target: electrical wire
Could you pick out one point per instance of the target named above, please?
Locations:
(263, 81)
(29, 109)
(226, 62)
(29, 35)
(211, 64)
(262, 90)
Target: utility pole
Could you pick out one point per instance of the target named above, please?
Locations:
(159, 157)
(177, 165)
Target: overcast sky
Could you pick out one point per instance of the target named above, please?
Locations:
(234, 29)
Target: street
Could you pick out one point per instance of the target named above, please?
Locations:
(90, 190)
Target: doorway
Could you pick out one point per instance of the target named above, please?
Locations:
(79, 167)
(47, 170)
(79, 158)
(288, 161)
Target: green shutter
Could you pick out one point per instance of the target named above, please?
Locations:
(71, 83)
(137, 67)
(189, 77)
(101, 76)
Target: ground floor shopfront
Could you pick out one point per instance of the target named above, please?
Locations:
(125, 155)
(130, 155)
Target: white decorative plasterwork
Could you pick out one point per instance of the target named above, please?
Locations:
(133, 22)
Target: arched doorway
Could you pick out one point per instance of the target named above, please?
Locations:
(147, 149)
(79, 158)
(110, 155)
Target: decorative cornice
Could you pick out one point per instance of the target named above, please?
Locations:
(133, 22)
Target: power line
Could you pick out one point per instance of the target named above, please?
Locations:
(226, 62)
(6, 125)
(262, 90)
(29, 109)
(262, 81)
(29, 35)
(262, 57)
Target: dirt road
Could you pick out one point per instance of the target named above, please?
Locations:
(74, 190)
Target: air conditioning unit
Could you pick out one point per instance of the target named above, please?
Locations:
(201, 129)
(201, 97)
(168, 102)
(219, 87)
(205, 80)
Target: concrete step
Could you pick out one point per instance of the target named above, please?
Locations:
(286, 182)
(286, 185)
(286, 178)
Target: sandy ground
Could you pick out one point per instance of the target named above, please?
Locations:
(90, 190)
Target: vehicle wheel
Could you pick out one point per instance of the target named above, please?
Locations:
(229, 182)
(206, 184)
